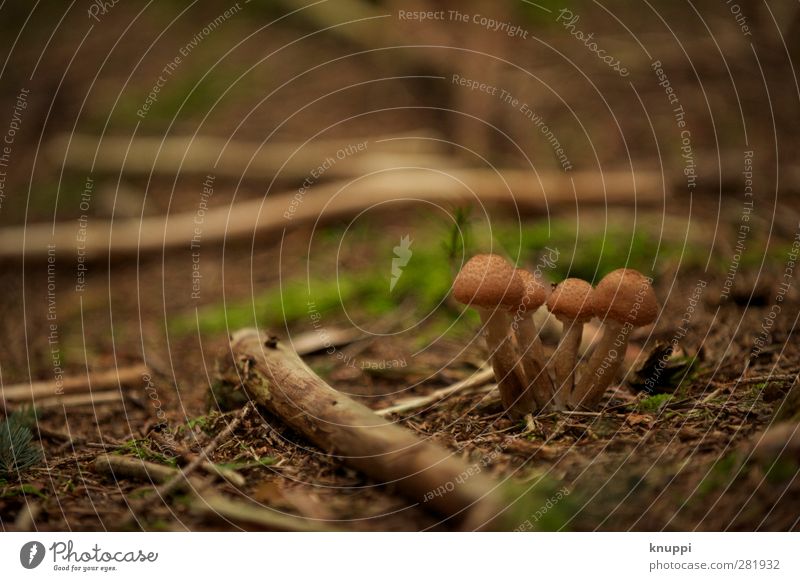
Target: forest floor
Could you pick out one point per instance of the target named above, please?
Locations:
(679, 458)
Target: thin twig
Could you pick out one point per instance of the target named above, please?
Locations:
(96, 381)
(181, 155)
(250, 513)
(170, 485)
(133, 468)
(26, 519)
(733, 384)
(325, 338)
(477, 379)
(757, 379)
(79, 400)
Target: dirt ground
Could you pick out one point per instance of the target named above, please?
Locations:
(688, 455)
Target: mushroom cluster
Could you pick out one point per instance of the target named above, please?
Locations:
(506, 298)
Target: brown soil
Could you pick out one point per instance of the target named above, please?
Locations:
(684, 466)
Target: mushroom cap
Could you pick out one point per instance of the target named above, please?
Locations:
(488, 281)
(572, 299)
(534, 291)
(626, 295)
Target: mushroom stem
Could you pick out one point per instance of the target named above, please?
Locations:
(515, 396)
(533, 358)
(603, 365)
(565, 360)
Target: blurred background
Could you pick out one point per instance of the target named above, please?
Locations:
(172, 171)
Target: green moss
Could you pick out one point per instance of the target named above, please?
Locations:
(654, 403)
(587, 253)
(21, 490)
(782, 470)
(157, 525)
(141, 449)
(457, 237)
(201, 421)
(425, 281)
(241, 465)
(185, 94)
(546, 505)
(720, 475)
(41, 202)
(457, 327)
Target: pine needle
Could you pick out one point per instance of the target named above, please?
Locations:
(17, 451)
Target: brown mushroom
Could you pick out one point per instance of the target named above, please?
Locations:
(624, 300)
(532, 353)
(572, 303)
(489, 284)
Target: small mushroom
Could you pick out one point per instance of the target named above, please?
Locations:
(489, 284)
(532, 353)
(624, 300)
(572, 303)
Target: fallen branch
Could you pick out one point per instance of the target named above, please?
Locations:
(731, 385)
(276, 378)
(249, 513)
(79, 400)
(479, 378)
(123, 467)
(98, 381)
(324, 338)
(26, 519)
(137, 469)
(276, 212)
(198, 155)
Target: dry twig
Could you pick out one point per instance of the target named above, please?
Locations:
(184, 474)
(96, 381)
(274, 213)
(479, 378)
(279, 380)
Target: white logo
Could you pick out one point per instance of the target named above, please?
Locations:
(402, 254)
(31, 554)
